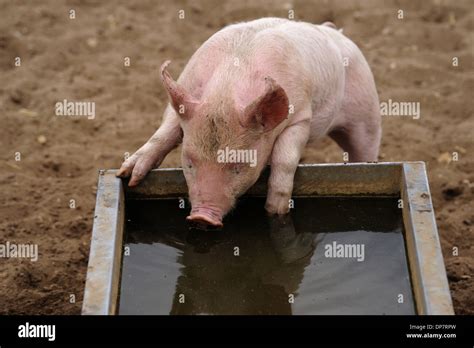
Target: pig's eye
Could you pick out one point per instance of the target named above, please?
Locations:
(189, 164)
(235, 169)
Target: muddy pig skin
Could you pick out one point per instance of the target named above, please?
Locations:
(266, 87)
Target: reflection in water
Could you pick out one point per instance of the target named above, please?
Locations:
(242, 271)
(259, 264)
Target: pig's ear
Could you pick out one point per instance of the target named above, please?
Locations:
(181, 100)
(268, 110)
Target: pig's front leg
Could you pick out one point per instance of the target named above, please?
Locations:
(150, 155)
(286, 155)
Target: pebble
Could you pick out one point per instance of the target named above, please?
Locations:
(445, 158)
(27, 112)
(41, 139)
(92, 42)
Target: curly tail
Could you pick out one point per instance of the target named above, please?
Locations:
(330, 24)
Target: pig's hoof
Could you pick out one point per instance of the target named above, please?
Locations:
(280, 208)
(204, 222)
(124, 171)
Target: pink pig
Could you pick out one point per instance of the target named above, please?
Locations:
(270, 86)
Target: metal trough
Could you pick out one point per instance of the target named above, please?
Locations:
(405, 180)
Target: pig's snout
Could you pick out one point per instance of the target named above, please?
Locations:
(205, 217)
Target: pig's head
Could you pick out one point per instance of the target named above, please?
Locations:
(226, 143)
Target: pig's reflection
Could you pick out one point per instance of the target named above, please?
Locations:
(251, 267)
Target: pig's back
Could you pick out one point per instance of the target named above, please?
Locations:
(296, 54)
(300, 56)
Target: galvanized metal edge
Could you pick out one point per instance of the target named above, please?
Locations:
(347, 179)
(105, 258)
(428, 273)
(331, 179)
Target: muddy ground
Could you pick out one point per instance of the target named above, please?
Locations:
(82, 59)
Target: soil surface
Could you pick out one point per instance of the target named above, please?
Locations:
(82, 59)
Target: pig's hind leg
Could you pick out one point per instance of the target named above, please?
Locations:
(357, 128)
(360, 130)
(361, 144)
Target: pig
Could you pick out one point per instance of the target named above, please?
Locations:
(271, 86)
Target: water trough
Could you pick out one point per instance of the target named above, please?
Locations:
(144, 260)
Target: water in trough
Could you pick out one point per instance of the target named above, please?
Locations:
(329, 256)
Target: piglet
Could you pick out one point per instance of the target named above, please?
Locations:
(257, 93)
